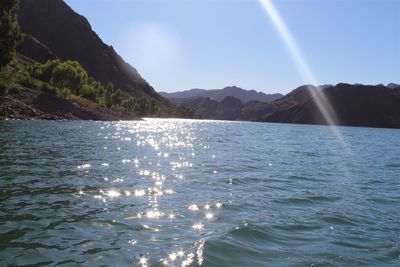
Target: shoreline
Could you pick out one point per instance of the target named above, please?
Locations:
(29, 104)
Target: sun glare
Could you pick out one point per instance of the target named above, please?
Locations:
(307, 75)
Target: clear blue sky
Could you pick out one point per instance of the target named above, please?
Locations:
(184, 44)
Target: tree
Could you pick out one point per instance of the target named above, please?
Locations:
(45, 71)
(129, 104)
(10, 34)
(143, 105)
(117, 97)
(108, 95)
(69, 74)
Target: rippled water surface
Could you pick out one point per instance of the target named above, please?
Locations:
(197, 193)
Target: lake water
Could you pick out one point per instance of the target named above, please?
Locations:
(197, 193)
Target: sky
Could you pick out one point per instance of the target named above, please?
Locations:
(182, 44)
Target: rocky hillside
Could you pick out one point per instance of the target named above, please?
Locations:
(54, 30)
(26, 103)
(62, 70)
(355, 105)
(219, 94)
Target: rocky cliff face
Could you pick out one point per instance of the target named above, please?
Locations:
(55, 30)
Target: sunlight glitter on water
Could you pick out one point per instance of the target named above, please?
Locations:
(193, 207)
(167, 144)
(138, 206)
(198, 226)
(84, 166)
(162, 138)
(209, 216)
(113, 193)
(140, 193)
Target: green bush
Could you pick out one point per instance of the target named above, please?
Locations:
(3, 88)
(107, 100)
(45, 71)
(88, 92)
(10, 35)
(116, 97)
(117, 108)
(129, 104)
(69, 79)
(31, 83)
(13, 90)
(69, 74)
(64, 92)
(46, 87)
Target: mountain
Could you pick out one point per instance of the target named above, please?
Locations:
(250, 111)
(393, 85)
(54, 30)
(355, 105)
(219, 94)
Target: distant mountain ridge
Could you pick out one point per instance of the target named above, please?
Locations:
(220, 94)
(355, 105)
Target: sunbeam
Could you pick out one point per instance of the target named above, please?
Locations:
(320, 99)
(322, 103)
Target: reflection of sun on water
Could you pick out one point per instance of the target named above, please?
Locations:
(198, 226)
(169, 147)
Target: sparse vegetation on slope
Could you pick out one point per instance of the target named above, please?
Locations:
(10, 35)
(69, 80)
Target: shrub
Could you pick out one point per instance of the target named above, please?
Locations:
(31, 83)
(13, 90)
(10, 35)
(129, 104)
(64, 92)
(117, 108)
(69, 74)
(88, 92)
(46, 87)
(60, 74)
(69, 79)
(142, 105)
(116, 97)
(45, 71)
(3, 88)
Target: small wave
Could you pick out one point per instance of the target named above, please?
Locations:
(244, 245)
(298, 227)
(307, 200)
(348, 244)
(383, 201)
(303, 178)
(338, 220)
(393, 165)
(93, 251)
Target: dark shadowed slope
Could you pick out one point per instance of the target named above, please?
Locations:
(355, 105)
(219, 95)
(54, 29)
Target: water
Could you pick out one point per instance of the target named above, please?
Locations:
(197, 193)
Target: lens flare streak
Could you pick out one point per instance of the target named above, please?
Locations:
(321, 101)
